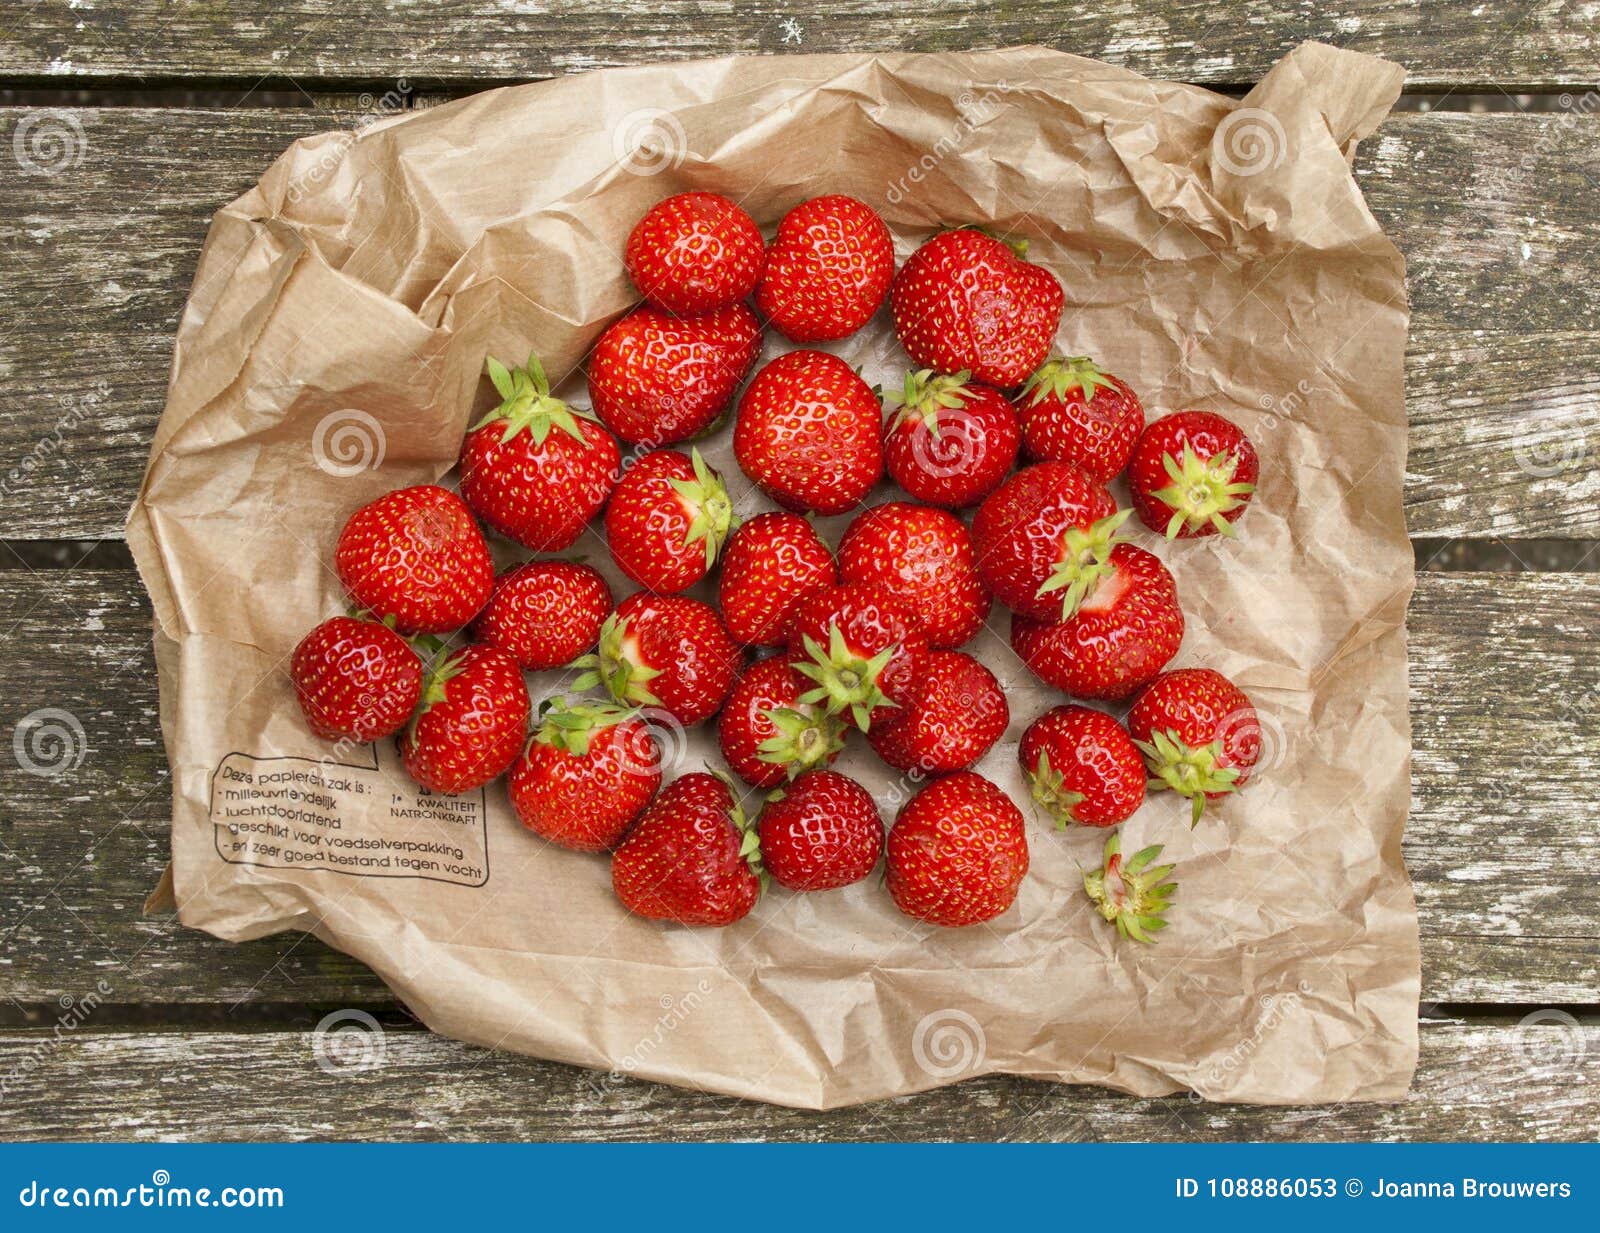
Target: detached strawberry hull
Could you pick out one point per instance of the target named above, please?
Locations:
(826, 1000)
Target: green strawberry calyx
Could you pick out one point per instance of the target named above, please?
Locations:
(803, 739)
(527, 404)
(1132, 895)
(925, 394)
(1202, 491)
(1192, 771)
(1084, 560)
(1051, 794)
(437, 673)
(1060, 375)
(748, 830)
(846, 682)
(613, 665)
(571, 727)
(710, 509)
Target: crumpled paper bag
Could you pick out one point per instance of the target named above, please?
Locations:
(1214, 253)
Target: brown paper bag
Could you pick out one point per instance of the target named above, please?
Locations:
(1216, 254)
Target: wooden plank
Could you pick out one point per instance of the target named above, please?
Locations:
(1446, 43)
(1501, 845)
(1503, 386)
(1476, 1081)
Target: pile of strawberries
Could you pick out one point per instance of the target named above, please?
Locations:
(863, 639)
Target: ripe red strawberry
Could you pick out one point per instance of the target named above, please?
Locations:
(769, 565)
(1082, 767)
(827, 271)
(1074, 412)
(767, 734)
(957, 852)
(923, 557)
(956, 715)
(695, 253)
(472, 722)
(1192, 474)
(1044, 537)
(1125, 632)
(416, 555)
(587, 773)
(355, 680)
(667, 651)
(951, 441)
(809, 433)
(535, 469)
(821, 832)
(655, 378)
(1199, 734)
(967, 302)
(693, 857)
(862, 647)
(667, 521)
(1132, 895)
(545, 613)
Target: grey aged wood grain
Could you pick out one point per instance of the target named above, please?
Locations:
(1481, 1081)
(1502, 842)
(1503, 370)
(1455, 43)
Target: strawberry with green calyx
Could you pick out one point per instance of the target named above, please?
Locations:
(950, 441)
(1192, 474)
(664, 650)
(1199, 734)
(1082, 766)
(587, 772)
(862, 647)
(693, 857)
(1085, 560)
(767, 734)
(667, 521)
(535, 469)
(1074, 412)
(471, 723)
(1133, 895)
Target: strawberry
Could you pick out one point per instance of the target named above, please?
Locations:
(1044, 537)
(1082, 766)
(958, 851)
(955, 716)
(667, 521)
(770, 564)
(692, 858)
(1125, 631)
(655, 378)
(535, 469)
(667, 651)
(967, 302)
(1199, 734)
(950, 441)
(1074, 412)
(545, 613)
(695, 253)
(472, 721)
(767, 734)
(923, 557)
(1132, 895)
(809, 433)
(586, 774)
(862, 647)
(1192, 474)
(819, 833)
(355, 680)
(827, 271)
(417, 556)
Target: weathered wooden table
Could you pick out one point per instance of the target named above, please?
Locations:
(124, 125)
